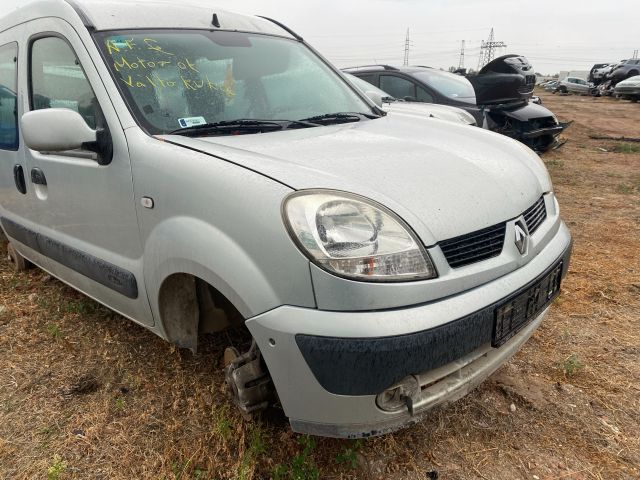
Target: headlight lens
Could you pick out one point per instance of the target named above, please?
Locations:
(466, 117)
(355, 238)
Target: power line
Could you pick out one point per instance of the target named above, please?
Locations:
(390, 33)
(461, 62)
(407, 45)
(488, 49)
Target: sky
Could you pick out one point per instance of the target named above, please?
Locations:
(554, 35)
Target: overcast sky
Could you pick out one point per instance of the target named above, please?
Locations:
(553, 34)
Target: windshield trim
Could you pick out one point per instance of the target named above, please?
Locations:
(138, 116)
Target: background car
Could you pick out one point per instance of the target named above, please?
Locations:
(629, 88)
(392, 104)
(503, 105)
(598, 72)
(574, 85)
(551, 86)
(628, 69)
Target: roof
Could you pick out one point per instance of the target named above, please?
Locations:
(126, 14)
(382, 68)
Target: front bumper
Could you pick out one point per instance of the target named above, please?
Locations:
(445, 345)
(622, 90)
(540, 132)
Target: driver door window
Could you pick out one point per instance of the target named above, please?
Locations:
(58, 81)
(398, 87)
(423, 95)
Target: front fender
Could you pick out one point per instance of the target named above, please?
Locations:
(192, 246)
(216, 221)
(189, 245)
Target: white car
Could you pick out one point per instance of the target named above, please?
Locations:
(602, 72)
(391, 104)
(629, 88)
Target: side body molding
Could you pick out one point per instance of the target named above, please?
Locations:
(99, 270)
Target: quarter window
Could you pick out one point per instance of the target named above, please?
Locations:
(8, 103)
(58, 81)
(369, 78)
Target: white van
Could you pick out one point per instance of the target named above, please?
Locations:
(195, 170)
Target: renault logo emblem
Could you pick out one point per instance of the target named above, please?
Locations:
(521, 238)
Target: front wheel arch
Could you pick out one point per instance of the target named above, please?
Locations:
(189, 306)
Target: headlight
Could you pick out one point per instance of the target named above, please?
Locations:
(466, 117)
(354, 237)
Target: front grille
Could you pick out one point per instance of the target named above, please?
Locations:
(474, 247)
(535, 215)
(487, 243)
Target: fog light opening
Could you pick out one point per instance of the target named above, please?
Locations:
(403, 395)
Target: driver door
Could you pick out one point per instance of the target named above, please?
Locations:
(84, 202)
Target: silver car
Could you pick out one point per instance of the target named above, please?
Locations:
(574, 85)
(197, 170)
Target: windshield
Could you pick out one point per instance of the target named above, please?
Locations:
(185, 78)
(448, 84)
(367, 87)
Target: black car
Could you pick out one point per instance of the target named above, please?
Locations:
(498, 96)
(630, 68)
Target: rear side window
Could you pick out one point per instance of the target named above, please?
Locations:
(8, 103)
(58, 81)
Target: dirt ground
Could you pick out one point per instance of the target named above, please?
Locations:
(87, 394)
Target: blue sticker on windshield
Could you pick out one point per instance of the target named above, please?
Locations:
(191, 121)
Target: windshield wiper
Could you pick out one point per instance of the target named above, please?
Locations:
(241, 126)
(339, 117)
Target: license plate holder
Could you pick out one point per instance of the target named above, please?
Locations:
(516, 312)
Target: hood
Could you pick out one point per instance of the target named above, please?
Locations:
(444, 179)
(506, 79)
(529, 112)
(631, 81)
(441, 112)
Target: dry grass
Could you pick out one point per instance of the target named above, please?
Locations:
(87, 394)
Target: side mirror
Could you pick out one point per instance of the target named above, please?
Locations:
(375, 97)
(56, 130)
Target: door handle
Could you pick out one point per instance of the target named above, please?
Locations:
(18, 177)
(37, 177)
